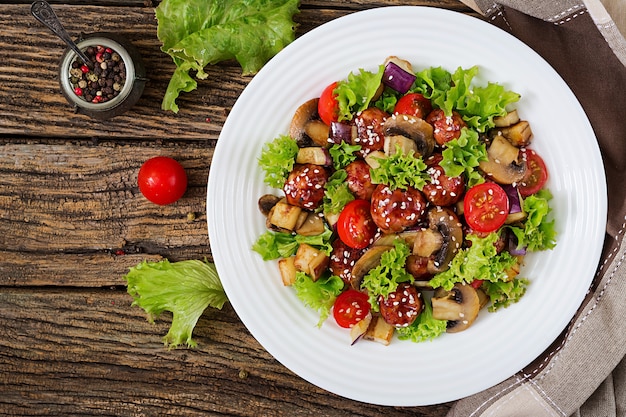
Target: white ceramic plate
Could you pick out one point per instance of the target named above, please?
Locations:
(498, 344)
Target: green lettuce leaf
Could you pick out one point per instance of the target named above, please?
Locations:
(355, 93)
(319, 295)
(384, 279)
(480, 261)
(184, 288)
(337, 193)
(478, 105)
(424, 328)
(197, 33)
(342, 154)
(400, 171)
(273, 245)
(277, 160)
(461, 157)
(504, 293)
(538, 232)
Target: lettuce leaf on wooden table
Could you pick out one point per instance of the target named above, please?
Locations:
(197, 33)
(185, 288)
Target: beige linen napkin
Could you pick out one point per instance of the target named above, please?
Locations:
(583, 373)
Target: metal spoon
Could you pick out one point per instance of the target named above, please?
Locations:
(44, 13)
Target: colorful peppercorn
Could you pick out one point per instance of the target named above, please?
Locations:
(103, 79)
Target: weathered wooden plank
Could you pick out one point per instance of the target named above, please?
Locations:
(44, 112)
(87, 352)
(83, 199)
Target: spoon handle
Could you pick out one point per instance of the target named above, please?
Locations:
(42, 11)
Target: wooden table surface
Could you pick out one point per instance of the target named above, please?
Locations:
(72, 221)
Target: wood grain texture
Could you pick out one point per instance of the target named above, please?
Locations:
(110, 362)
(72, 222)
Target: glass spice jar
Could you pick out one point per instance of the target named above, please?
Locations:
(112, 82)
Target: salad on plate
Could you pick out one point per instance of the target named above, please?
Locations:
(405, 201)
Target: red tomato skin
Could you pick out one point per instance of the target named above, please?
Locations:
(536, 173)
(486, 207)
(328, 106)
(162, 180)
(414, 104)
(350, 307)
(355, 225)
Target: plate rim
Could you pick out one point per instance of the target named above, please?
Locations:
(338, 21)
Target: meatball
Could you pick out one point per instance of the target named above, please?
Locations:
(342, 259)
(401, 307)
(305, 186)
(446, 128)
(397, 210)
(369, 126)
(442, 190)
(359, 180)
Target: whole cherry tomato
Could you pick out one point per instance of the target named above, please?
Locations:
(162, 180)
(350, 308)
(536, 173)
(355, 225)
(486, 207)
(328, 106)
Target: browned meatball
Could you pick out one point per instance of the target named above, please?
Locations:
(369, 125)
(442, 190)
(418, 267)
(445, 128)
(305, 186)
(394, 211)
(342, 260)
(359, 180)
(401, 307)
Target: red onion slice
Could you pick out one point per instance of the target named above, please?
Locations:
(397, 78)
(515, 203)
(513, 249)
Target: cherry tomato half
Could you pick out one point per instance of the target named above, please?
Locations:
(486, 207)
(162, 180)
(536, 173)
(328, 106)
(350, 308)
(355, 225)
(414, 104)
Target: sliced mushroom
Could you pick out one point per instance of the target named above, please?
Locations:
(306, 127)
(266, 202)
(367, 262)
(504, 164)
(441, 241)
(459, 307)
(413, 128)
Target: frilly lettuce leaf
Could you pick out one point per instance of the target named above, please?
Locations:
(184, 288)
(478, 105)
(277, 160)
(197, 33)
(319, 295)
(424, 328)
(355, 93)
(479, 261)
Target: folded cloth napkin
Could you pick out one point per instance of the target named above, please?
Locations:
(583, 373)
